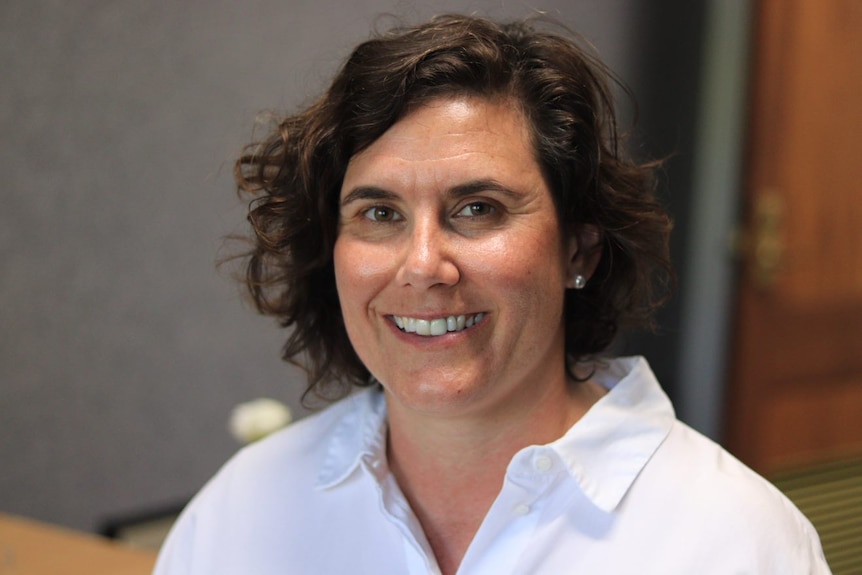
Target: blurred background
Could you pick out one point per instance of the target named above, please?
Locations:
(123, 348)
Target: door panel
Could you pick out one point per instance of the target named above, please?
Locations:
(795, 393)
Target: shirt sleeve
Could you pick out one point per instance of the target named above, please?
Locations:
(175, 556)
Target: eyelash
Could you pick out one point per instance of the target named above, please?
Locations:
(489, 209)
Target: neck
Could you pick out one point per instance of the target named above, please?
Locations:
(477, 436)
(452, 468)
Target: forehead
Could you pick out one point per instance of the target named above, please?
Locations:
(448, 136)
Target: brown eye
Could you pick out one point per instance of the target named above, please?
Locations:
(382, 214)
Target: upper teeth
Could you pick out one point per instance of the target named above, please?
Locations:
(437, 326)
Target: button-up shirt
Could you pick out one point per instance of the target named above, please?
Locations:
(628, 489)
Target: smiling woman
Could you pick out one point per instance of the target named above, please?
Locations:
(566, 124)
(469, 230)
(455, 226)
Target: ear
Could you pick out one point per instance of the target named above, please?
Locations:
(584, 251)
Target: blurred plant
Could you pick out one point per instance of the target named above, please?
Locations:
(255, 419)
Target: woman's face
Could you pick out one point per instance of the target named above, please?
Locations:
(450, 264)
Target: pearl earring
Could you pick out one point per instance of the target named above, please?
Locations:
(580, 281)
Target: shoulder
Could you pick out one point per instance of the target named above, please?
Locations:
(295, 455)
(269, 487)
(294, 447)
(701, 465)
(700, 486)
(689, 498)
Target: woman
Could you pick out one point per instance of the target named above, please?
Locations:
(454, 227)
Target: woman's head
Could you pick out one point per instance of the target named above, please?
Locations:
(561, 91)
(451, 264)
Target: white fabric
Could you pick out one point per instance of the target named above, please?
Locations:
(629, 489)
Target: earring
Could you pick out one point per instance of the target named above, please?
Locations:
(580, 281)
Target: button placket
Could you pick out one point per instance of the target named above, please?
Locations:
(513, 517)
(541, 463)
(394, 506)
(532, 471)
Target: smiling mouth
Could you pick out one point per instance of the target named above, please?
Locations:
(439, 326)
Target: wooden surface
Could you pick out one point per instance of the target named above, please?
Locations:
(28, 547)
(795, 393)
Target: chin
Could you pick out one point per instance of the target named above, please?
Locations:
(437, 394)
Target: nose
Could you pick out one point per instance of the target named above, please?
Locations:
(429, 258)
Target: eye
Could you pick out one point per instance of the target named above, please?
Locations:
(476, 209)
(381, 214)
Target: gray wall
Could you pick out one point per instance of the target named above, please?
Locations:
(122, 349)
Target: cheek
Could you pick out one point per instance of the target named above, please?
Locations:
(360, 271)
(522, 261)
(527, 274)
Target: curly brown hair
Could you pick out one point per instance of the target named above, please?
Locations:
(295, 175)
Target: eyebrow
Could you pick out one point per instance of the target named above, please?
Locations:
(368, 193)
(459, 191)
(477, 186)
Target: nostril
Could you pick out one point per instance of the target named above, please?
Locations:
(424, 268)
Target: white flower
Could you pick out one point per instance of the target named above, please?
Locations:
(258, 418)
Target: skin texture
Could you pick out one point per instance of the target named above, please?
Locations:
(447, 213)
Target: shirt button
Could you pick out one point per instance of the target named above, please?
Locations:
(544, 463)
(521, 509)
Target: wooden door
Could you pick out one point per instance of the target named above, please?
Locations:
(795, 389)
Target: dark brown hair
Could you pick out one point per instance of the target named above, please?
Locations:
(295, 175)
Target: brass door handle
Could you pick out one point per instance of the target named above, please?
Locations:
(768, 242)
(762, 244)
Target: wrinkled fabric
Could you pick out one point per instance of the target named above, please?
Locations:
(628, 489)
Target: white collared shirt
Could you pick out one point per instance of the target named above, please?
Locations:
(628, 489)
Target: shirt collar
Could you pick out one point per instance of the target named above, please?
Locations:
(359, 435)
(604, 451)
(611, 444)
